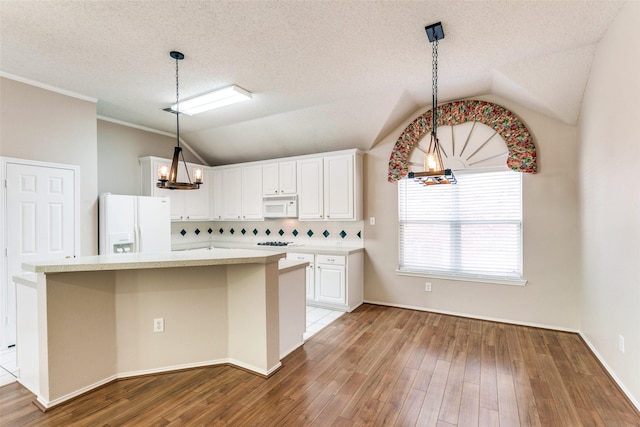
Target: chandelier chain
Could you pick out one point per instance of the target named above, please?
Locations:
(177, 105)
(434, 87)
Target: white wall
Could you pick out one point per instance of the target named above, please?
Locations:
(610, 198)
(39, 124)
(550, 238)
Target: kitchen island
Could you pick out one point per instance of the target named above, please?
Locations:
(98, 317)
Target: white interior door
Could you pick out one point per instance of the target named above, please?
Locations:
(40, 224)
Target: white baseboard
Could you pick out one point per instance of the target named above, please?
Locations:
(47, 404)
(172, 368)
(51, 403)
(474, 316)
(611, 373)
(251, 368)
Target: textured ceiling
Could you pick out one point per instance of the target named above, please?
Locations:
(325, 75)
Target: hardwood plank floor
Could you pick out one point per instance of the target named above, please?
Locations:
(377, 366)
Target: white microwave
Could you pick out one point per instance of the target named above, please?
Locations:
(280, 207)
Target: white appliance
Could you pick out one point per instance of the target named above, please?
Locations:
(280, 207)
(134, 224)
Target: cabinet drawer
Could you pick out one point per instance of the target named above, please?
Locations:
(331, 259)
(300, 257)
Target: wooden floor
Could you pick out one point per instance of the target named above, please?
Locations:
(377, 366)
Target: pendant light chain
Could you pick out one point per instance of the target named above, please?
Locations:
(177, 104)
(434, 171)
(178, 123)
(434, 87)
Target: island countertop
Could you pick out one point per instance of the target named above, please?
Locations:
(215, 256)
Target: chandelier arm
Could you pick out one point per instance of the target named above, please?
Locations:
(185, 166)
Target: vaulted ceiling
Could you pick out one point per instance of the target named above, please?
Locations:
(325, 75)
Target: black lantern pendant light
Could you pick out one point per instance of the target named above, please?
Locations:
(434, 171)
(168, 176)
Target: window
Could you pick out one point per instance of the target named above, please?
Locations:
(472, 230)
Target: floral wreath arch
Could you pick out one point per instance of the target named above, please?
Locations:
(522, 151)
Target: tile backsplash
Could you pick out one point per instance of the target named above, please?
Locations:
(347, 233)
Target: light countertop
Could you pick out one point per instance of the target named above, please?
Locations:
(286, 265)
(305, 249)
(192, 258)
(27, 279)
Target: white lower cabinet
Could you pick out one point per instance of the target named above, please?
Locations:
(330, 279)
(310, 272)
(333, 281)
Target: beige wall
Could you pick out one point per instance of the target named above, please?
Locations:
(41, 125)
(75, 355)
(550, 238)
(119, 148)
(610, 195)
(185, 298)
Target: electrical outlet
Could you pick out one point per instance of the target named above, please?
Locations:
(621, 343)
(427, 287)
(158, 324)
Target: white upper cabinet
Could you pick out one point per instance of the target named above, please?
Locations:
(338, 187)
(252, 192)
(241, 189)
(287, 176)
(330, 187)
(217, 193)
(197, 203)
(232, 194)
(279, 179)
(186, 205)
(270, 180)
(310, 189)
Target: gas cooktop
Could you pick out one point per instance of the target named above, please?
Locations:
(277, 244)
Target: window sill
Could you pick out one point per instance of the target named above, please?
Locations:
(460, 278)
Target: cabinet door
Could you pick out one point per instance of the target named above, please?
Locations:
(287, 178)
(330, 284)
(232, 193)
(310, 189)
(310, 272)
(311, 282)
(198, 202)
(270, 180)
(338, 187)
(252, 192)
(217, 201)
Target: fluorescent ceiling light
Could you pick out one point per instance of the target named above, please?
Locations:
(216, 99)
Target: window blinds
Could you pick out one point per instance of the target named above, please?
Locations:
(472, 229)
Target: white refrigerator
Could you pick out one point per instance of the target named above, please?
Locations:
(134, 224)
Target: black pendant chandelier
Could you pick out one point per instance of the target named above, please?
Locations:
(434, 171)
(168, 176)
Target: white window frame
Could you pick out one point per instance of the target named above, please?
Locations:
(463, 276)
